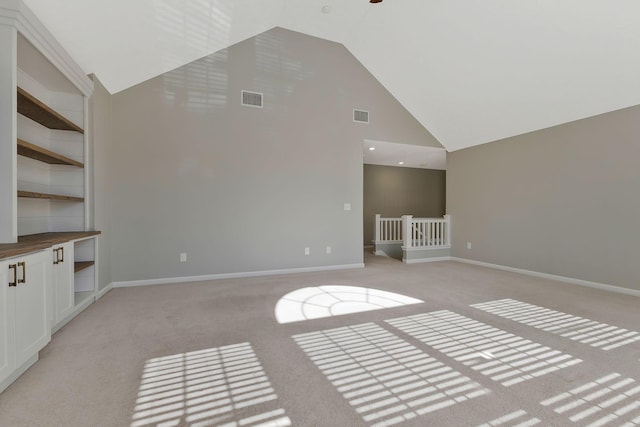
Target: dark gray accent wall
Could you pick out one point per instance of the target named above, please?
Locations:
(563, 200)
(243, 189)
(396, 191)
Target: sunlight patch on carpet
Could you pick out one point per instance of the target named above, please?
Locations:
(514, 419)
(609, 400)
(504, 357)
(585, 331)
(333, 300)
(385, 379)
(209, 387)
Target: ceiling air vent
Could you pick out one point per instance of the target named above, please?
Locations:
(251, 99)
(360, 116)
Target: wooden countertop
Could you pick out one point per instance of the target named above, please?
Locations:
(37, 242)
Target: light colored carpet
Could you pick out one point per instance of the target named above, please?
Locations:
(213, 353)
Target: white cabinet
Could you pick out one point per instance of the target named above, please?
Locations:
(63, 288)
(33, 329)
(25, 286)
(7, 320)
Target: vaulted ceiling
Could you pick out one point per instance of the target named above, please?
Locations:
(470, 71)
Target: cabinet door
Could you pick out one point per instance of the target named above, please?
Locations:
(63, 295)
(32, 326)
(7, 353)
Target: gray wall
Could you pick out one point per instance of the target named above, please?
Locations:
(563, 201)
(101, 142)
(244, 189)
(395, 191)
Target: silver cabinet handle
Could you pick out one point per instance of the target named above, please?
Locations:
(24, 272)
(14, 267)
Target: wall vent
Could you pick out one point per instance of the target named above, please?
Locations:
(251, 99)
(360, 116)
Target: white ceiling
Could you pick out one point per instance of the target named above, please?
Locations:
(470, 72)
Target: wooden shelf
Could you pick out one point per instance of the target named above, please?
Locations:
(31, 107)
(81, 265)
(33, 195)
(32, 151)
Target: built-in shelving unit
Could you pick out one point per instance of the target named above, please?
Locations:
(51, 169)
(35, 152)
(84, 278)
(31, 107)
(37, 111)
(45, 187)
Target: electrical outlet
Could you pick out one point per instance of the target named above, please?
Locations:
(328, 250)
(347, 206)
(183, 257)
(307, 251)
(468, 245)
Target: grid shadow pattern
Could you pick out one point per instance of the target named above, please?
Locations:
(224, 386)
(502, 356)
(385, 379)
(585, 331)
(514, 419)
(607, 401)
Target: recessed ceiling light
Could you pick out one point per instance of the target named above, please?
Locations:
(401, 163)
(372, 148)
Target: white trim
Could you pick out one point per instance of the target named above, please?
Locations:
(424, 248)
(88, 167)
(27, 23)
(206, 277)
(9, 12)
(386, 242)
(102, 292)
(423, 260)
(563, 279)
(16, 374)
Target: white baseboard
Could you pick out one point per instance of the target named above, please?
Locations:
(423, 260)
(21, 370)
(103, 291)
(171, 280)
(563, 279)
